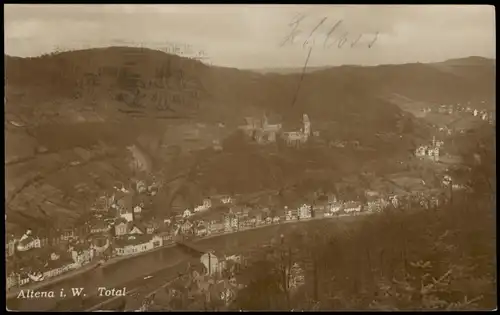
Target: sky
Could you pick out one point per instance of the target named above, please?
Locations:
(258, 36)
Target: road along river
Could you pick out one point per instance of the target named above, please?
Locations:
(163, 265)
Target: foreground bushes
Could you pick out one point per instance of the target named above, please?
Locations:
(424, 260)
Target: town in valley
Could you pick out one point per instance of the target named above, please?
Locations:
(213, 176)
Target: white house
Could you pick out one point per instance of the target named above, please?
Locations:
(138, 209)
(394, 200)
(207, 204)
(351, 207)
(28, 242)
(187, 213)
(135, 246)
(446, 180)
(335, 207)
(121, 228)
(129, 216)
(157, 241)
(304, 211)
(81, 256)
(140, 186)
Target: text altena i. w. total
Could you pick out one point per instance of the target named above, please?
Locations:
(32, 294)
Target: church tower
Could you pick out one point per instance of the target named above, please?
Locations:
(307, 125)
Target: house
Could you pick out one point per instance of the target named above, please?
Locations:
(336, 207)
(12, 280)
(458, 187)
(269, 220)
(394, 200)
(433, 202)
(80, 253)
(121, 227)
(216, 227)
(134, 244)
(201, 229)
(28, 242)
(375, 204)
(123, 206)
(141, 187)
(276, 219)
(290, 214)
(207, 203)
(304, 211)
(187, 213)
(167, 236)
(136, 228)
(226, 200)
(216, 145)
(421, 151)
(352, 207)
(126, 214)
(186, 227)
(156, 241)
(235, 222)
(10, 247)
(58, 264)
(446, 180)
(138, 209)
(67, 234)
(152, 227)
(102, 204)
(99, 227)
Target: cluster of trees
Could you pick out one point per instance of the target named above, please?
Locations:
(436, 259)
(395, 261)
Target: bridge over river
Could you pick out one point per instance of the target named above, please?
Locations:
(144, 273)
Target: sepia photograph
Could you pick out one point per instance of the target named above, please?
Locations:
(264, 157)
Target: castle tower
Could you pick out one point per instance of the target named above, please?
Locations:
(433, 141)
(307, 125)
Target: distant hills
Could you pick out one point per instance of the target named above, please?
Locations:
(90, 105)
(468, 61)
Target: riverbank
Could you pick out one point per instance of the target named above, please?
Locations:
(38, 286)
(103, 305)
(96, 264)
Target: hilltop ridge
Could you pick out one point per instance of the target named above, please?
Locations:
(90, 105)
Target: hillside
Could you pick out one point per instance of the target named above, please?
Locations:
(75, 113)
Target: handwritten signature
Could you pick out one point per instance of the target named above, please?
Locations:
(330, 37)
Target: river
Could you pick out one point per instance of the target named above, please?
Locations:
(162, 264)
